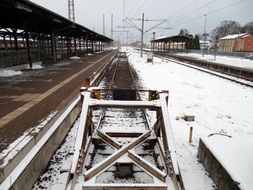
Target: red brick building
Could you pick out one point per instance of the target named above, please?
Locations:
(236, 43)
(244, 44)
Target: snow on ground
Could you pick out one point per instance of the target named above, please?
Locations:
(8, 73)
(75, 58)
(16, 70)
(234, 61)
(219, 105)
(37, 66)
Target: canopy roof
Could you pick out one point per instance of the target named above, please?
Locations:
(171, 39)
(26, 15)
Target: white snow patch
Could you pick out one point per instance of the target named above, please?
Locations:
(36, 66)
(9, 73)
(74, 58)
(15, 70)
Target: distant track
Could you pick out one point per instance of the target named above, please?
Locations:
(215, 73)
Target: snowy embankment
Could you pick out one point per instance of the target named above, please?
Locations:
(220, 106)
(234, 61)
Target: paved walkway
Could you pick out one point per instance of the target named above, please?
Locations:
(27, 99)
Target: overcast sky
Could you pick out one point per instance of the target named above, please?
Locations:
(187, 14)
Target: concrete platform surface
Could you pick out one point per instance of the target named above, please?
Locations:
(27, 99)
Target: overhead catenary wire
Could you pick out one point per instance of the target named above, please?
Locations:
(132, 8)
(186, 8)
(142, 5)
(164, 21)
(222, 8)
(107, 7)
(190, 11)
(195, 10)
(210, 12)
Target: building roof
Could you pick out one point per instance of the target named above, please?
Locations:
(234, 36)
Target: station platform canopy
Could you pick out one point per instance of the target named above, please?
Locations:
(28, 16)
(172, 39)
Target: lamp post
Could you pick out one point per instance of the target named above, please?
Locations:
(153, 44)
(215, 47)
(204, 34)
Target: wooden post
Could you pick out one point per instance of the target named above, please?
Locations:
(190, 135)
(86, 85)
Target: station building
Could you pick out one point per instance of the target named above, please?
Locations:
(244, 44)
(236, 43)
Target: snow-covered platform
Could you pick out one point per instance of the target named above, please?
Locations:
(226, 60)
(237, 68)
(228, 161)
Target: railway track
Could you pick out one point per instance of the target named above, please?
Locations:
(124, 141)
(210, 71)
(120, 78)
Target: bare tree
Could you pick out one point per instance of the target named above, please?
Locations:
(248, 28)
(226, 27)
(184, 32)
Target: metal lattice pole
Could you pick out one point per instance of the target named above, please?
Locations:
(71, 10)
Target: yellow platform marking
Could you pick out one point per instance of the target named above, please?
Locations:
(14, 114)
(8, 97)
(25, 97)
